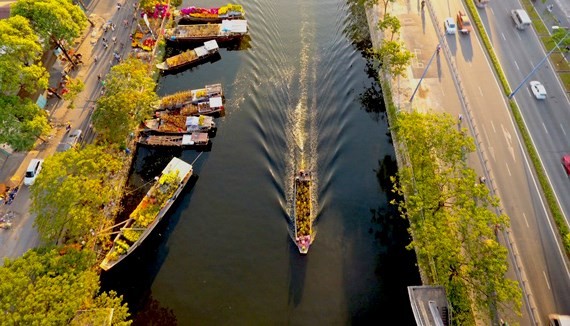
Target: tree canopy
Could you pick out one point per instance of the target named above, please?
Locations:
(59, 19)
(21, 122)
(48, 286)
(70, 193)
(394, 57)
(19, 55)
(128, 100)
(451, 218)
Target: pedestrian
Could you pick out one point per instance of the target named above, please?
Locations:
(105, 45)
(95, 59)
(460, 118)
(114, 40)
(118, 6)
(99, 77)
(549, 8)
(438, 48)
(104, 39)
(126, 23)
(423, 4)
(482, 179)
(121, 45)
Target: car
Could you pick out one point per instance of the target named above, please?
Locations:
(538, 90)
(566, 163)
(32, 171)
(464, 23)
(70, 141)
(449, 26)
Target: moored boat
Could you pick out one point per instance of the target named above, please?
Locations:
(149, 212)
(302, 211)
(195, 96)
(190, 57)
(180, 124)
(195, 139)
(196, 15)
(228, 30)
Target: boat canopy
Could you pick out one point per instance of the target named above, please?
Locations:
(211, 45)
(199, 121)
(216, 102)
(234, 26)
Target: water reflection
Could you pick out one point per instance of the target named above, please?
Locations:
(152, 313)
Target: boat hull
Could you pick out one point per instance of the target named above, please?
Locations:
(189, 20)
(302, 210)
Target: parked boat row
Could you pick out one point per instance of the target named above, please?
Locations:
(149, 212)
(227, 30)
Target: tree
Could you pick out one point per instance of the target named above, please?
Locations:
(70, 193)
(395, 58)
(370, 3)
(53, 19)
(19, 54)
(451, 219)
(390, 23)
(106, 309)
(21, 122)
(128, 100)
(52, 286)
(561, 35)
(46, 287)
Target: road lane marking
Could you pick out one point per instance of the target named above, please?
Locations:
(526, 221)
(516, 64)
(546, 130)
(562, 127)
(492, 12)
(546, 278)
(519, 36)
(480, 91)
(509, 142)
(492, 125)
(508, 170)
(491, 149)
(504, 38)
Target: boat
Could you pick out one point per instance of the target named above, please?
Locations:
(195, 139)
(228, 30)
(214, 106)
(302, 210)
(196, 15)
(190, 57)
(149, 212)
(195, 96)
(179, 124)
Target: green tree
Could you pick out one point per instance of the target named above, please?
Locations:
(70, 193)
(21, 122)
(561, 35)
(45, 287)
(394, 57)
(390, 23)
(128, 100)
(19, 55)
(451, 218)
(106, 309)
(54, 20)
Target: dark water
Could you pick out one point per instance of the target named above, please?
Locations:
(299, 95)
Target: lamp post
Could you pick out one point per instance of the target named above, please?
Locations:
(437, 49)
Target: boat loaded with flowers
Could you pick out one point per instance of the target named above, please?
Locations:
(197, 140)
(179, 124)
(195, 96)
(196, 15)
(190, 57)
(149, 212)
(228, 30)
(302, 211)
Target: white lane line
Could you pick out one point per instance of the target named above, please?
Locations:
(492, 125)
(546, 279)
(492, 12)
(516, 64)
(508, 170)
(526, 221)
(519, 36)
(562, 127)
(504, 38)
(480, 91)
(545, 130)
(491, 149)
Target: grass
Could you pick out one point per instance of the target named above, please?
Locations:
(541, 173)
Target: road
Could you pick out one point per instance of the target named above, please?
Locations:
(533, 233)
(519, 52)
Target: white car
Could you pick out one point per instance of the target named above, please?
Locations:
(538, 90)
(449, 25)
(70, 141)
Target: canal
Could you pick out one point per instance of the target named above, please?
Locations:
(300, 93)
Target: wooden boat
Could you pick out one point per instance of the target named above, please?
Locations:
(190, 57)
(228, 30)
(211, 107)
(195, 15)
(194, 139)
(179, 124)
(149, 212)
(195, 96)
(302, 210)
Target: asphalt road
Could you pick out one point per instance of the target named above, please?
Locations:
(519, 51)
(535, 240)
